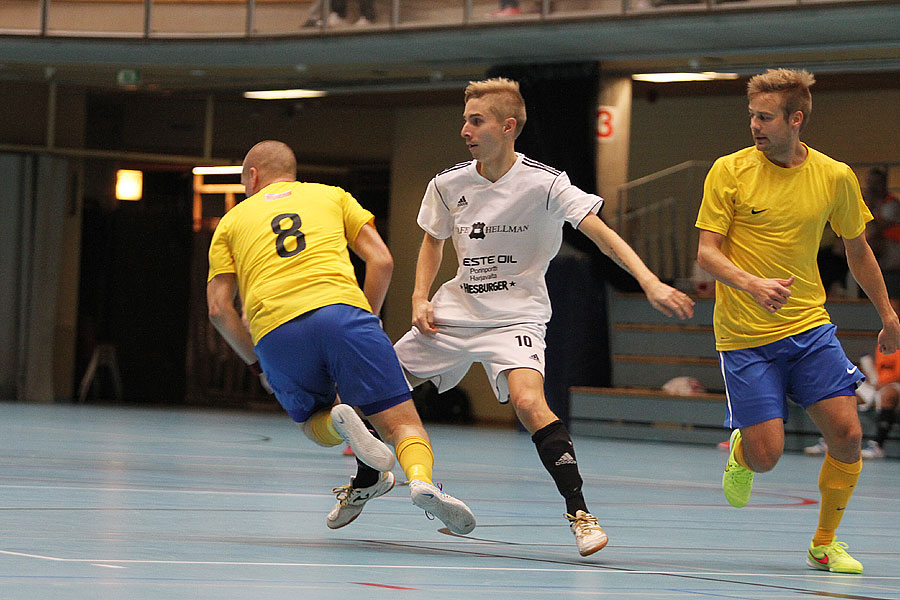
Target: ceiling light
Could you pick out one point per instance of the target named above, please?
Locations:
(219, 170)
(673, 77)
(284, 94)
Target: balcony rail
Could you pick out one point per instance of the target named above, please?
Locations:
(259, 18)
(656, 215)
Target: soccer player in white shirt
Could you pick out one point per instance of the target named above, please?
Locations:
(504, 213)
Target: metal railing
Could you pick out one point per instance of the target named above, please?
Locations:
(252, 18)
(656, 216)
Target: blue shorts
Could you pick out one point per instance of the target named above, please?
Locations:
(336, 349)
(802, 368)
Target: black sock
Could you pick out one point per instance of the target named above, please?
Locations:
(365, 476)
(555, 448)
(886, 418)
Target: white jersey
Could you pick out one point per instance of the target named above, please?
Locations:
(505, 234)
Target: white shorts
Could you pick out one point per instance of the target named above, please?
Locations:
(445, 358)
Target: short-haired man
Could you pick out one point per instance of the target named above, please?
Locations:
(313, 329)
(504, 213)
(761, 220)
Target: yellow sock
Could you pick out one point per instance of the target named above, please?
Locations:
(739, 453)
(416, 458)
(836, 483)
(320, 428)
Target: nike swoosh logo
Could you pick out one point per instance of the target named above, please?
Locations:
(341, 420)
(841, 508)
(756, 212)
(428, 495)
(823, 560)
(850, 370)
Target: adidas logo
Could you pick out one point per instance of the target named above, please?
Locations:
(462, 202)
(566, 459)
(535, 357)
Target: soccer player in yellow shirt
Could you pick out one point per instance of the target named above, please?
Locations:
(314, 332)
(761, 220)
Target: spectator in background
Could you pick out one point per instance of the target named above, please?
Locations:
(884, 231)
(338, 15)
(887, 399)
(881, 389)
(508, 8)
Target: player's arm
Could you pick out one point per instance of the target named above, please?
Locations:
(868, 275)
(664, 298)
(771, 294)
(220, 293)
(431, 253)
(369, 246)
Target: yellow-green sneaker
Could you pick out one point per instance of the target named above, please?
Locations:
(832, 557)
(737, 482)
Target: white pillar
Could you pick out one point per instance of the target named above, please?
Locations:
(613, 137)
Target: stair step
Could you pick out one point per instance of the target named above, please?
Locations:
(652, 414)
(646, 371)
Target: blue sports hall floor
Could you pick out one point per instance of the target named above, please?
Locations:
(126, 503)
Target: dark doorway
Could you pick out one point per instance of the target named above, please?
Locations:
(134, 289)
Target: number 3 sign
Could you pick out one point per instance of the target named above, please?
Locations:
(606, 123)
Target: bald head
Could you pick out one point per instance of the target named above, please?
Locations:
(268, 162)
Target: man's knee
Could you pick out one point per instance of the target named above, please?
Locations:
(764, 460)
(761, 456)
(532, 409)
(847, 434)
(398, 422)
(318, 428)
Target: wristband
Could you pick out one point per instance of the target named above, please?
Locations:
(255, 368)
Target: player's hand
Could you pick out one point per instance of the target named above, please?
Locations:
(669, 301)
(771, 294)
(423, 316)
(889, 337)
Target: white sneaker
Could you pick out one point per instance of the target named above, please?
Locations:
(351, 500)
(816, 449)
(362, 22)
(589, 537)
(452, 512)
(367, 447)
(872, 450)
(335, 20)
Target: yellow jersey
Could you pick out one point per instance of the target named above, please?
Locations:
(773, 219)
(287, 244)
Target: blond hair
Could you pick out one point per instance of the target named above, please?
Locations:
(792, 84)
(506, 99)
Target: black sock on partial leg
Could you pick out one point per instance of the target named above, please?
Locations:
(554, 446)
(884, 423)
(365, 476)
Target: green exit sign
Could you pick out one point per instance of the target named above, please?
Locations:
(128, 77)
